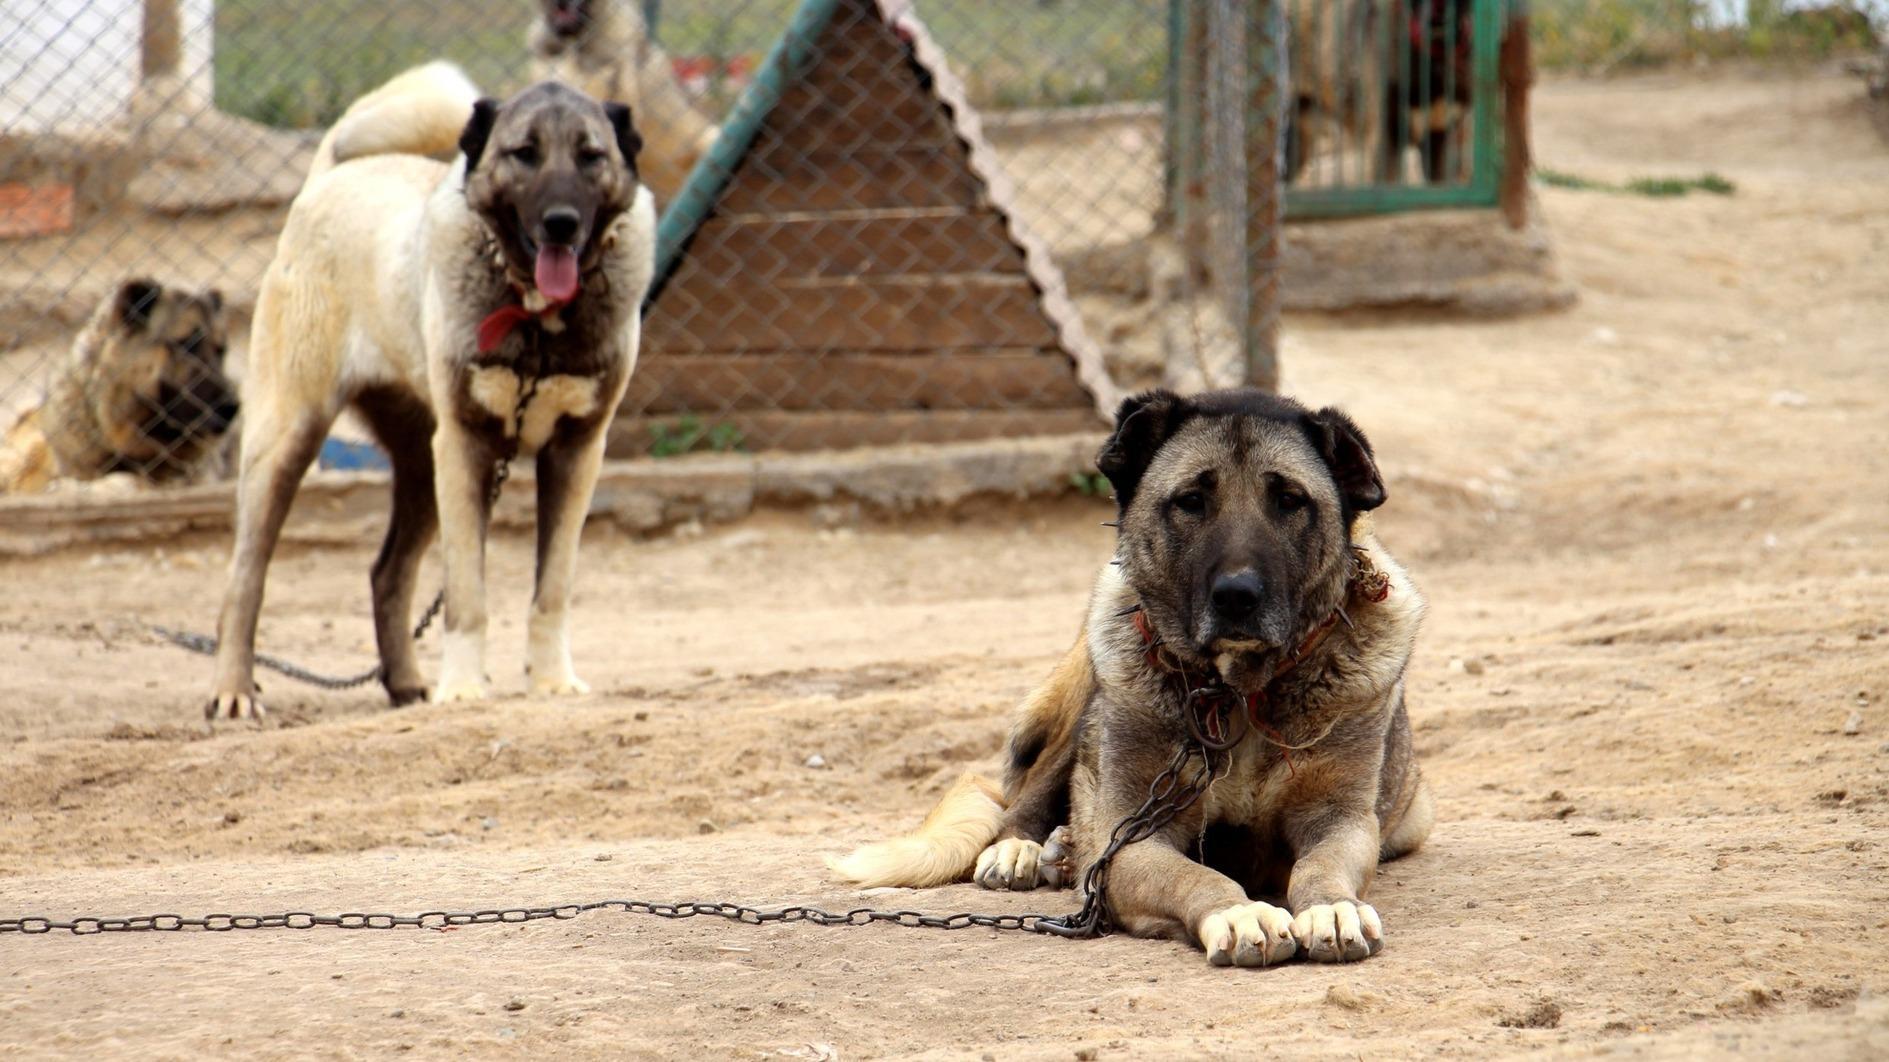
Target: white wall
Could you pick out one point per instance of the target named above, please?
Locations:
(72, 64)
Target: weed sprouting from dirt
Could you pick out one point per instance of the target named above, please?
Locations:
(1090, 484)
(689, 434)
(1651, 187)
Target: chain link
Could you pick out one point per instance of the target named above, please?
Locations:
(1168, 797)
(439, 920)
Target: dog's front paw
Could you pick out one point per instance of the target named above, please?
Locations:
(1012, 863)
(566, 685)
(459, 691)
(401, 696)
(1339, 932)
(234, 706)
(1057, 864)
(1248, 934)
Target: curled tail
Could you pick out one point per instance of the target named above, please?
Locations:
(943, 848)
(420, 112)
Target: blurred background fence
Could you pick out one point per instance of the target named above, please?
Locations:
(921, 221)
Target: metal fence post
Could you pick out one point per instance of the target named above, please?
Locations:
(1190, 145)
(1170, 114)
(1518, 75)
(161, 47)
(1264, 148)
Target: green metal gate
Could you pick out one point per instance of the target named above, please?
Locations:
(1393, 105)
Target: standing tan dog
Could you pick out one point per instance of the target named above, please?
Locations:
(1245, 564)
(603, 47)
(435, 299)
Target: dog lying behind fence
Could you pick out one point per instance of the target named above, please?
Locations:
(603, 48)
(1380, 77)
(1245, 571)
(142, 393)
(468, 311)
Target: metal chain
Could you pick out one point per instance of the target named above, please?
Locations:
(1168, 796)
(754, 916)
(205, 644)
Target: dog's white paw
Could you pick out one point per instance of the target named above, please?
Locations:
(460, 691)
(1339, 932)
(567, 685)
(1012, 863)
(234, 706)
(1248, 934)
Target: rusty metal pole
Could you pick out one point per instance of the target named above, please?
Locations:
(161, 50)
(1265, 198)
(1518, 75)
(1190, 145)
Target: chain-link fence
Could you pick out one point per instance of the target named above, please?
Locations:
(885, 221)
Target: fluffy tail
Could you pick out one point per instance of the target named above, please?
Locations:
(419, 112)
(943, 849)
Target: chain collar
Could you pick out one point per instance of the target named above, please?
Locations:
(1210, 708)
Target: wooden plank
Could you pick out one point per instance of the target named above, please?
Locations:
(929, 62)
(853, 114)
(717, 384)
(860, 89)
(867, 243)
(705, 312)
(867, 180)
(631, 436)
(859, 50)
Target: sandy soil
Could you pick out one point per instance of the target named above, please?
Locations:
(1653, 527)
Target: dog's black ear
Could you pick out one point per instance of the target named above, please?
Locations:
(136, 300)
(629, 141)
(1142, 424)
(478, 130)
(1348, 454)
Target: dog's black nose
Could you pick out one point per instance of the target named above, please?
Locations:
(1236, 596)
(561, 224)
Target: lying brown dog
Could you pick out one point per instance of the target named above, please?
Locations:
(143, 392)
(1246, 570)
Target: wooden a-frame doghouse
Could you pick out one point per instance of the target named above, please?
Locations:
(845, 268)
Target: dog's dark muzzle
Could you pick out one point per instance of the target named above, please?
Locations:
(205, 408)
(1245, 609)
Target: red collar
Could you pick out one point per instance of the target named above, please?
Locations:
(500, 322)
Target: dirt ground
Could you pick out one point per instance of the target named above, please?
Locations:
(1650, 698)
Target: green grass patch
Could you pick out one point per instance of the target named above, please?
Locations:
(690, 434)
(1558, 179)
(300, 65)
(1091, 484)
(1606, 35)
(1651, 187)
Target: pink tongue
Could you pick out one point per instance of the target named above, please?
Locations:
(557, 272)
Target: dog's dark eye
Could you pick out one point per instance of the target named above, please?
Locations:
(1290, 501)
(524, 155)
(589, 156)
(1193, 501)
